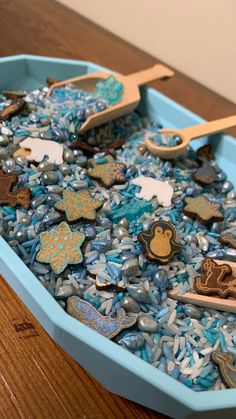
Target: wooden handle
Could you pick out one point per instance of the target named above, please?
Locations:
(158, 71)
(205, 301)
(208, 128)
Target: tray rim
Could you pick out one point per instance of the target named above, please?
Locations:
(196, 401)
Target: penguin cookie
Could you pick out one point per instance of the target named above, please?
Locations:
(159, 242)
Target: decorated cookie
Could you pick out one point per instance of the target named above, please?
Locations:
(131, 211)
(160, 242)
(229, 239)
(217, 279)
(202, 209)
(106, 325)
(60, 247)
(205, 175)
(108, 171)
(205, 154)
(14, 94)
(12, 109)
(227, 369)
(78, 205)
(152, 187)
(41, 148)
(7, 196)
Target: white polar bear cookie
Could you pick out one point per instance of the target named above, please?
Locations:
(41, 148)
(151, 187)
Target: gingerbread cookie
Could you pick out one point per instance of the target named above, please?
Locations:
(12, 109)
(217, 280)
(152, 187)
(78, 205)
(41, 148)
(108, 171)
(160, 242)
(105, 325)
(227, 370)
(205, 175)
(7, 196)
(60, 247)
(229, 239)
(202, 209)
(204, 154)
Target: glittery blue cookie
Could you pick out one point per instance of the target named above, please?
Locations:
(131, 211)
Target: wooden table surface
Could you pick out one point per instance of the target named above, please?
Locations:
(37, 378)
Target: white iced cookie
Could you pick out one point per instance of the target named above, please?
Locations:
(152, 187)
(41, 148)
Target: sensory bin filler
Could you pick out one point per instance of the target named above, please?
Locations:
(117, 235)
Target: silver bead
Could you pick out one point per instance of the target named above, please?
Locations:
(130, 305)
(106, 208)
(45, 166)
(38, 200)
(90, 232)
(133, 340)
(230, 254)
(227, 186)
(130, 267)
(123, 223)
(146, 223)
(120, 233)
(65, 169)
(65, 291)
(10, 162)
(26, 220)
(68, 156)
(79, 184)
(21, 236)
(3, 153)
(147, 324)
(55, 189)
(21, 160)
(202, 241)
(49, 178)
(4, 140)
(138, 292)
(192, 311)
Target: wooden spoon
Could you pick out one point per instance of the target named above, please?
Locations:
(216, 303)
(131, 95)
(187, 134)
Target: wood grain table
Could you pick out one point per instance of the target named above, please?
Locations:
(37, 378)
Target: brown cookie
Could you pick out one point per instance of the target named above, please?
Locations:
(160, 242)
(202, 209)
(227, 370)
(7, 196)
(205, 154)
(229, 239)
(12, 94)
(12, 109)
(205, 175)
(216, 280)
(108, 172)
(101, 286)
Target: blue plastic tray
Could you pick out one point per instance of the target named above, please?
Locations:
(117, 369)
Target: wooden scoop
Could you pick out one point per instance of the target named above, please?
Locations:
(131, 95)
(212, 302)
(187, 134)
